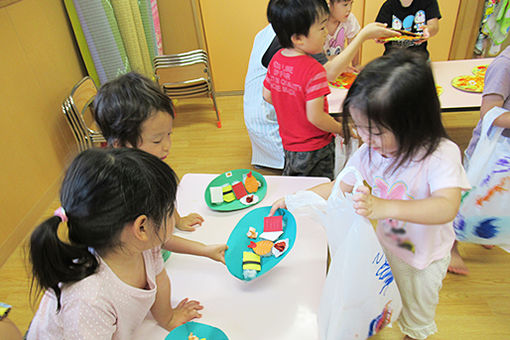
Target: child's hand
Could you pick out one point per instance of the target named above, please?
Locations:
(184, 312)
(353, 69)
(426, 33)
(280, 204)
(187, 223)
(376, 30)
(366, 204)
(216, 252)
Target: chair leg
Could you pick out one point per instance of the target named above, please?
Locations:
(213, 98)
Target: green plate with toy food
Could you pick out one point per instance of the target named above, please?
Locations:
(235, 190)
(196, 331)
(259, 242)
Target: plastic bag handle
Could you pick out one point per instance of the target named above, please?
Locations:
(349, 169)
(489, 119)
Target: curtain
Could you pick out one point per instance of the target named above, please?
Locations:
(116, 36)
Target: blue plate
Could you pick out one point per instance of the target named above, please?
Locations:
(238, 241)
(199, 329)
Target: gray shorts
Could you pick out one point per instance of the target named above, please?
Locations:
(317, 163)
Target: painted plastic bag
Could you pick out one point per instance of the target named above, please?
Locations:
(360, 296)
(343, 152)
(484, 214)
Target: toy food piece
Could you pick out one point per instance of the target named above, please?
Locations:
(262, 248)
(344, 80)
(239, 190)
(249, 199)
(403, 37)
(228, 195)
(252, 233)
(251, 183)
(280, 247)
(439, 90)
(194, 337)
(216, 195)
(273, 227)
(251, 265)
(480, 70)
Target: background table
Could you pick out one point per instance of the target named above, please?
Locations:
(281, 305)
(451, 99)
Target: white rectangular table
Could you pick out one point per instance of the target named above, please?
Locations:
(281, 305)
(451, 99)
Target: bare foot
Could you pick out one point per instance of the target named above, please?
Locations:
(488, 246)
(457, 265)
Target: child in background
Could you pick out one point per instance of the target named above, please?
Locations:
(415, 174)
(296, 85)
(342, 25)
(133, 112)
(496, 93)
(103, 272)
(418, 16)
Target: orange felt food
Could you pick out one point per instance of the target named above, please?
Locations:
(261, 248)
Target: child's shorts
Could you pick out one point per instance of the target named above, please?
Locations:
(419, 290)
(317, 163)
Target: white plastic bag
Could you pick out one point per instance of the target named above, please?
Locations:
(360, 296)
(484, 214)
(343, 152)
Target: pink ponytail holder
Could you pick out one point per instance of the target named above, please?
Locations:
(60, 212)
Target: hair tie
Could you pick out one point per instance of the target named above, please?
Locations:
(60, 212)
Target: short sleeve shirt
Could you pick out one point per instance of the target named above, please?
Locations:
(497, 81)
(412, 18)
(417, 245)
(293, 81)
(101, 306)
(335, 43)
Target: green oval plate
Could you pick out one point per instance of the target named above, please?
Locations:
(228, 178)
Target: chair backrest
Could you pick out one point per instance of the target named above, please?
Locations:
(186, 75)
(183, 69)
(82, 96)
(78, 110)
(182, 74)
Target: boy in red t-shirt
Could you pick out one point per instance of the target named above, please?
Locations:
(296, 85)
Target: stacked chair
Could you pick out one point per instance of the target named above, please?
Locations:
(186, 75)
(78, 112)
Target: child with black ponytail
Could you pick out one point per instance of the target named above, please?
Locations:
(98, 259)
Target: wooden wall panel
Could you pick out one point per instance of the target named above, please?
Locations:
(177, 26)
(466, 29)
(38, 67)
(230, 27)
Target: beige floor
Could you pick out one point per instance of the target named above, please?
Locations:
(472, 307)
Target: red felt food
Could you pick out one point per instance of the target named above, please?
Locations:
(273, 223)
(239, 190)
